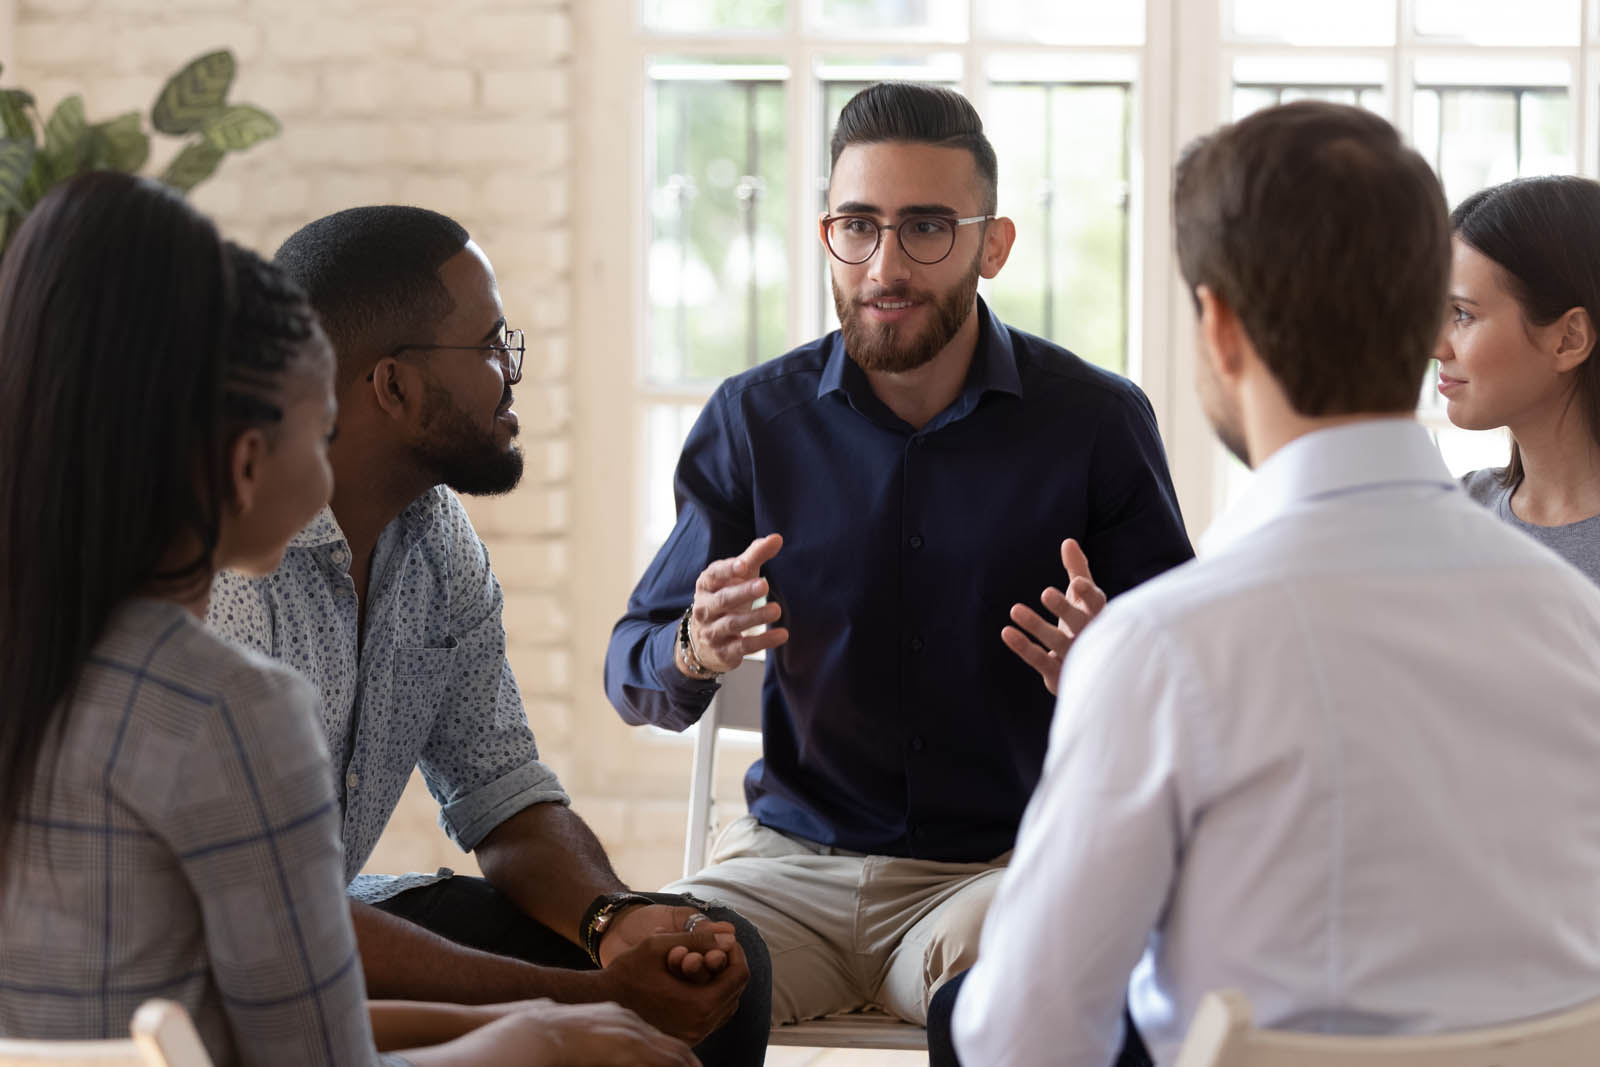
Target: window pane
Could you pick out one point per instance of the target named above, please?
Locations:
(1065, 21)
(718, 262)
(1470, 450)
(1480, 137)
(924, 19)
(687, 15)
(1262, 81)
(1064, 159)
(1346, 23)
(665, 427)
(1497, 22)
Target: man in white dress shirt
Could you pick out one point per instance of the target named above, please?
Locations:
(1346, 762)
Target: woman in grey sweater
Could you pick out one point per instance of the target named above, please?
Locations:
(1518, 351)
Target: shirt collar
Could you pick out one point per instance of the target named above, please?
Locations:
(322, 530)
(994, 366)
(325, 529)
(1370, 454)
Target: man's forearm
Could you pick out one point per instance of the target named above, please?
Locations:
(548, 861)
(401, 959)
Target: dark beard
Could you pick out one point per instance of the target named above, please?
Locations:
(458, 454)
(880, 348)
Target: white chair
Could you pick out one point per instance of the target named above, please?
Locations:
(163, 1036)
(737, 706)
(1221, 1035)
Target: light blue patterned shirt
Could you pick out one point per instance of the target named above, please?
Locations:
(427, 685)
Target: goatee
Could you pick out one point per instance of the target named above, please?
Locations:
(460, 454)
(882, 348)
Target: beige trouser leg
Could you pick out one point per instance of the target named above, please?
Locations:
(847, 930)
(940, 907)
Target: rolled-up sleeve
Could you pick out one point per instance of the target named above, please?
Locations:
(481, 761)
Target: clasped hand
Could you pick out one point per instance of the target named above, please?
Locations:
(686, 982)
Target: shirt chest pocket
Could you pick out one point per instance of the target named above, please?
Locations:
(423, 677)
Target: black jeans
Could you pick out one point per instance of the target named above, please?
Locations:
(471, 912)
(942, 1050)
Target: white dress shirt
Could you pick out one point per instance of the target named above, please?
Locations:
(1348, 763)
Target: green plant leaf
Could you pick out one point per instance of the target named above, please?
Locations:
(194, 94)
(239, 127)
(193, 165)
(14, 118)
(120, 144)
(66, 145)
(16, 164)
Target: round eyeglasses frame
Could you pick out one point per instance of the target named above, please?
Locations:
(950, 222)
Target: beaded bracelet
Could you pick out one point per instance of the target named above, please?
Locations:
(686, 646)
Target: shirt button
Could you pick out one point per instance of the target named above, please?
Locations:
(916, 644)
(339, 556)
(352, 780)
(918, 744)
(916, 541)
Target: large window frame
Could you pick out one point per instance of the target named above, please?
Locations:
(1180, 90)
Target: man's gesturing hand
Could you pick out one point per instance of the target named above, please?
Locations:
(1073, 611)
(724, 599)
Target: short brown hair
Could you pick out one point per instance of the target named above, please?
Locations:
(1328, 238)
(921, 114)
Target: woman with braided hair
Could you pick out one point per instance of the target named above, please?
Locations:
(168, 821)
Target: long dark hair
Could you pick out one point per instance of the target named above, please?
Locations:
(135, 344)
(1544, 234)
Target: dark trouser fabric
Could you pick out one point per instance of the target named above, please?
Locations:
(471, 912)
(942, 1049)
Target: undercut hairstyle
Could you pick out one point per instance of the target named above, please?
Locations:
(919, 114)
(1328, 239)
(1543, 233)
(373, 275)
(135, 347)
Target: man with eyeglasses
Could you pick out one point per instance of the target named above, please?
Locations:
(388, 604)
(872, 510)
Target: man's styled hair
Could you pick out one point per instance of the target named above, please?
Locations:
(1543, 234)
(1328, 238)
(922, 114)
(373, 275)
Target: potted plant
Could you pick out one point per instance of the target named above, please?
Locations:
(37, 153)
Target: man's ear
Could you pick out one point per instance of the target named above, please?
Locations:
(1575, 338)
(1221, 334)
(998, 237)
(245, 457)
(391, 387)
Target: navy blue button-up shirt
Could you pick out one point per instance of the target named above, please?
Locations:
(895, 721)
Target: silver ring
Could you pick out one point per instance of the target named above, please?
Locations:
(695, 920)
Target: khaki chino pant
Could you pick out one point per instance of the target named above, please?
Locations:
(848, 930)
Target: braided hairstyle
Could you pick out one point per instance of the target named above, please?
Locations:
(135, 346)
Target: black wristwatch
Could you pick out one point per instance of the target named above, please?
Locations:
(597, 918)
